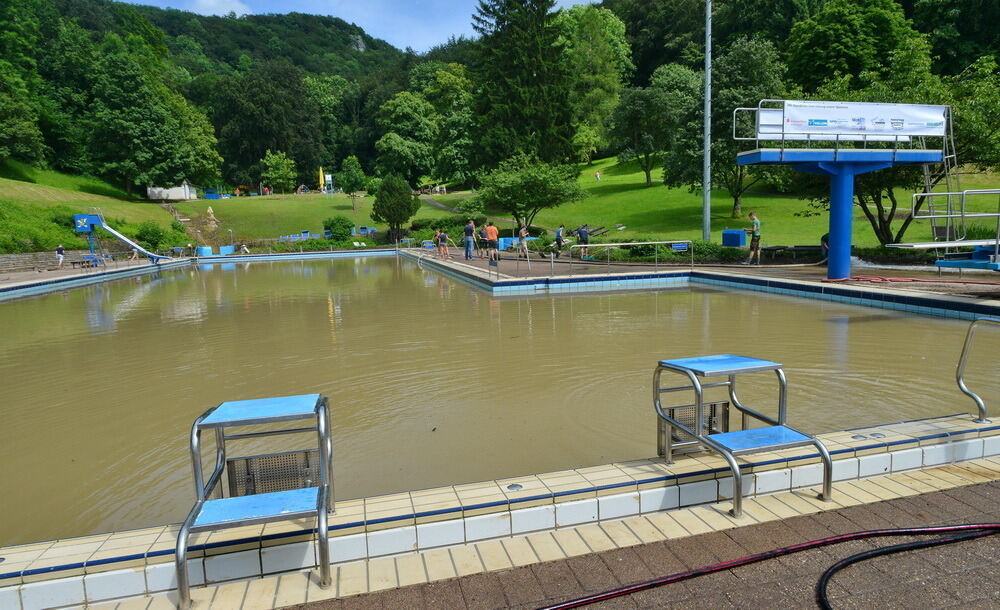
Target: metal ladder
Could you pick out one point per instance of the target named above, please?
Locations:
(705, 433)
(951, 181)
(263, 488)
(963, 360)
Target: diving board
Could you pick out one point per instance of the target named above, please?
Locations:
(865, 137)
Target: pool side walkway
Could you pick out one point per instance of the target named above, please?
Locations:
(962, 575)
(980, 285)
(531, 570)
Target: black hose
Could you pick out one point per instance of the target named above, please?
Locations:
(982, 529)
(824, 580)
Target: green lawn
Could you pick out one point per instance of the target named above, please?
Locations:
(621, 197)
(263, 217)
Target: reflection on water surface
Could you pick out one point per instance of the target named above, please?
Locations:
(430, 382)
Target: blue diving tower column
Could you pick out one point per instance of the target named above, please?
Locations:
(850, 128)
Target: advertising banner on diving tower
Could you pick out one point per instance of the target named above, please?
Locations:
(850, 118)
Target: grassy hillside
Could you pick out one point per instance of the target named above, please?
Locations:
(269, 217)
(37, 207)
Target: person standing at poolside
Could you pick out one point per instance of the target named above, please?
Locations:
(754, 231)
(584, 235)
(470, 239)
(481, 242)
(492, 241)
(60, 254)
(522, 241)
(443, 245)
(559, 240)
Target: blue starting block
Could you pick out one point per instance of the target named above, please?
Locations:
(705, 425)
(262, 488)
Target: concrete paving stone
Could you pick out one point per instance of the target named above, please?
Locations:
(618, 603)
(975, 500)
(716, 601)
(761, 597)
(835, 522)
(808, 528)
(954, 558)
(363, 602)
(556, 578)
(520, 587)
(752, 540)
(443, 594)
(905, 596)
(865, 518)
(482, 592)
(407, 597)
(591, 573)
(906, 566)
(627, 567)
(694, 551)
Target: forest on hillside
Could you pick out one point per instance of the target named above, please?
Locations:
(138, 95)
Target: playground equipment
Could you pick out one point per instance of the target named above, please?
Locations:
(87, 223)
(950, 229)
(262, 488)
(866, 137)
(707, 424)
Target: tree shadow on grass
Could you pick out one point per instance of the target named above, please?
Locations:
(14, 172)
(104, 190)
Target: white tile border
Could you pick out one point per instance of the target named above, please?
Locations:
(161, 577)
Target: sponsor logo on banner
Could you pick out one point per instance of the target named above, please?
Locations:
(871, 119)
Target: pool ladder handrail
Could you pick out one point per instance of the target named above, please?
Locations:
(204, 491)
(963, 360)
(701, 436)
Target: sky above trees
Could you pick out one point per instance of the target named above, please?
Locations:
(402, 23)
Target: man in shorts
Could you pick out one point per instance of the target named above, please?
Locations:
(492, 241)
(60, 254)
(584, 236)
(559, 240)
(754, 231)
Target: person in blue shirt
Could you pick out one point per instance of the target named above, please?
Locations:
(559, 240)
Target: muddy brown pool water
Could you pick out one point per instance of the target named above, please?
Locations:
(430, 382)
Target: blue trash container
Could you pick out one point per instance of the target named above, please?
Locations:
(734, 238)
(226, 250)
(204, 251)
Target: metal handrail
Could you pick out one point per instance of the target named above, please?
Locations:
(960, 370)
(656, 254)
(961, 213)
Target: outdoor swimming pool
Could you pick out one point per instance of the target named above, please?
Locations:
(431, 382)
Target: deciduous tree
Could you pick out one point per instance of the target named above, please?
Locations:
(351, 179)
(522, 186)
(278, 171)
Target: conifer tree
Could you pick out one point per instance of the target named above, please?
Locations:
(522, 82)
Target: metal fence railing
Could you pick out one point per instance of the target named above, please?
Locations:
(677, 245)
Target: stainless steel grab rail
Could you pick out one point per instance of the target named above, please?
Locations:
(656, 254)
(960, 370)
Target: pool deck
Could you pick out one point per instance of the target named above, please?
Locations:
(962, 575)
(548, 567)
(979, 285)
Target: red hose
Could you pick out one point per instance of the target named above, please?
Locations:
(878, 278)
(795, 548)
